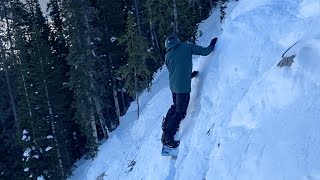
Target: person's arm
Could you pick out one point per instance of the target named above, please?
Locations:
(204, 51)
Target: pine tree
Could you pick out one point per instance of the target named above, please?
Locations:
(110, 25)
(9, 120)
(39, 154)
(70, 132)
(135, 72)
(8, 124)
(82, 58)
(160, 25)
(33, 63)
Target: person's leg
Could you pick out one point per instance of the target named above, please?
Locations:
(170, 112)
(166, 119)
(182, 104)
(182, 101)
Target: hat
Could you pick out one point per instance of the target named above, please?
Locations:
(171, 40)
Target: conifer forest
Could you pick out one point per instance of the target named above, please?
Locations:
(69, 71)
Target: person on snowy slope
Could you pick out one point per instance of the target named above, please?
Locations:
(178, 60)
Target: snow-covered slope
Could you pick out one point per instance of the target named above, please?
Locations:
(247, 118)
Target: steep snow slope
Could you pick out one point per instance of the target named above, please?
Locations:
(247, 119)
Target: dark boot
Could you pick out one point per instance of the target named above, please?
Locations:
(172, 143)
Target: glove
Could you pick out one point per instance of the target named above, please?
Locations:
(213, 42)
(194, 74)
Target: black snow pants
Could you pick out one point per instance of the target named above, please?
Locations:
(175, 114)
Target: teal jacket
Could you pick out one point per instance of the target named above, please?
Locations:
(178, 60)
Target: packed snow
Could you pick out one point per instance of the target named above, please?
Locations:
(27, 152)
(48, 148)
(247, 117)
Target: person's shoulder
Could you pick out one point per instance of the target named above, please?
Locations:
(187, 45)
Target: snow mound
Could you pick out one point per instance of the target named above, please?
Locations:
(310, 8)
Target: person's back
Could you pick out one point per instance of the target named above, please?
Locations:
(178, 60)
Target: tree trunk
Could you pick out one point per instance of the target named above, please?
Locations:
(109, 120)
(12, 102)
(91, 113)
(136, 87)
(93, 123)
(115, 96)
(116, 101)
(123, 100)
(175, 17)
(10, 92)
(152, 34)
(156, 38)
(138, 106)
(101, 118)
(92, 118)
(136, 4)
(27, 98)
(53, 127)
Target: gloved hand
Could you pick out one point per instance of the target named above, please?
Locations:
(213, 42)
(194, 74)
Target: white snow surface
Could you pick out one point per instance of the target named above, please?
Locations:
(247, 118)
(27, 152)
(40, 178)
(48, 148)
(24, 132)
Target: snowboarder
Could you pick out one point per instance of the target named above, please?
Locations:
(178, 60)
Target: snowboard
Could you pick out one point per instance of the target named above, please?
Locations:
(167, 151)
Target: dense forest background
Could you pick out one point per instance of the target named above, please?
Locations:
(68, 74)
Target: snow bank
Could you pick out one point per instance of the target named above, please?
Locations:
(310, 8)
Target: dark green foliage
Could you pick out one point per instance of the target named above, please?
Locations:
(65, 75)
(40, 82)
(8, 162)
(135, 72)
(110, 23)
(81, 58)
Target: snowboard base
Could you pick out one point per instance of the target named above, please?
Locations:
(167, 151)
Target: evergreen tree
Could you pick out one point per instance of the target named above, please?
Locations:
(109, 26)
(159, 14)
(8, 124)
(70, 136)
(10, 165)
(135, 72)
(82, 59)
(41, 150)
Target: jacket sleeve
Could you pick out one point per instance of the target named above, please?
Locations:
(199, 50)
